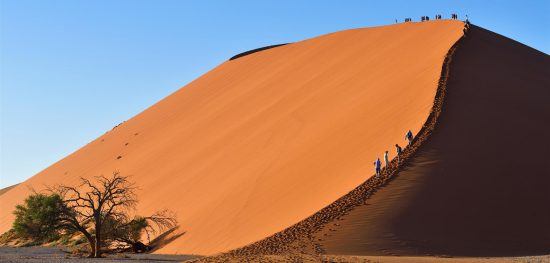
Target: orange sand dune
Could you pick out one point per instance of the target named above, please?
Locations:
(263, 141)
(480, 186)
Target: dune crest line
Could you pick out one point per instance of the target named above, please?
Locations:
(284, 242)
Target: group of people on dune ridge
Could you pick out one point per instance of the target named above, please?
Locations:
(378, 164)
(427, 18)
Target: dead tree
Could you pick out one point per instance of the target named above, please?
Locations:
(90, 204)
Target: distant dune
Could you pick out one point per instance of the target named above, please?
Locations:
(246, 53)
(6, 189)
(264, 141)
(480, 185)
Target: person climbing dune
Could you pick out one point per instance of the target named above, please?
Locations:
(399, 150)
(409, 137)
(377, 166)
(386, 159)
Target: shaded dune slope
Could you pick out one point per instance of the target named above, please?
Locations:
(252, 51)
(479, 185)
(264, 141)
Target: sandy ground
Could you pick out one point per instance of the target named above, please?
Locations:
(426, 259)
(266, 140)
(375, 259)
(49, 254)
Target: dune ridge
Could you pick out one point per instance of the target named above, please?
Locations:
(479, 186)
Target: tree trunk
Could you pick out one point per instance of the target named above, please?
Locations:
(92, 245)
(97, 241)
(88, 236)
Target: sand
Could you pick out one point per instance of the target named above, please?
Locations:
(424, 259)
(266, 140)
(53, 254)
(39, 254)
(6, 189)
(380, 259)
(479, 185)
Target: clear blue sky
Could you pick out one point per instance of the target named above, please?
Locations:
(71, 70)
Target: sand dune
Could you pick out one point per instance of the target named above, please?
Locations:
(261, 142)
(479, 185)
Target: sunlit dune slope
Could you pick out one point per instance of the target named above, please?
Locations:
(265, 140)
(480, 185)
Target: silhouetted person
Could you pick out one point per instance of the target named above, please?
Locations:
(377, 166)
(466, 27)
(409, 137)
(399, 150)
(386, 159)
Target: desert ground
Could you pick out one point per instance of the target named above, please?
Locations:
(53, 254)
(47, 254)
